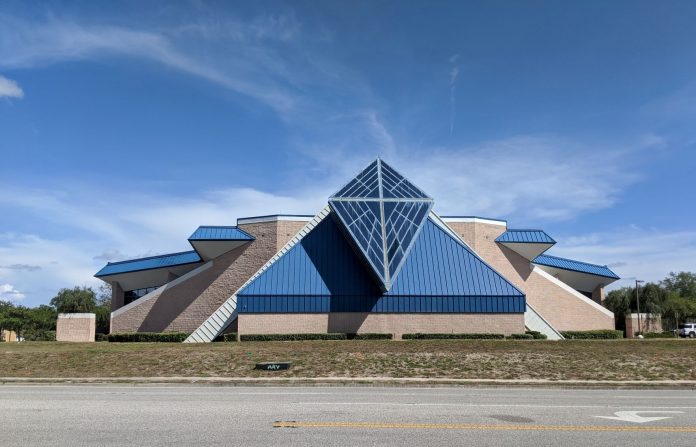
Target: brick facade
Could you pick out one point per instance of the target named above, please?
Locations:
(562, 309)
(76, 327)
(184, 307)
(397, 324)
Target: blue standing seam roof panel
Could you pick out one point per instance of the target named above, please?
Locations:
(383, 304)
(526, 236)
(576, 266)
(438, 268)
(220, 233)
(152, 262)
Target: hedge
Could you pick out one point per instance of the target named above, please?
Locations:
(599, 334)
(101, 337)
(149, 337)
(520, 337)
(419, 336)
(537, 335)
(230, 337)
(369, 336)
(292, 337)
(659, 335)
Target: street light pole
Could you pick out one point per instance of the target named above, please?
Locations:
(638, 304)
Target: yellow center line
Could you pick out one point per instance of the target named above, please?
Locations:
(392, 425)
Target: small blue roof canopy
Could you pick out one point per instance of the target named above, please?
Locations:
(527, 243)
(580, 275)
(213, 241)
(149, 272)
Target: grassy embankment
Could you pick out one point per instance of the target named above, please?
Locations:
(467, 359)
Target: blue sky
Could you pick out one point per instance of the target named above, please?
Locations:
(125, 125)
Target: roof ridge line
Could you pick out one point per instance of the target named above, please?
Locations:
(152, 257)
(573, 260)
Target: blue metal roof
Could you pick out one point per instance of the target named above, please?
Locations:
(218, 233)
(322, 273)
(152, 262)
(576, 266)
(526, 236)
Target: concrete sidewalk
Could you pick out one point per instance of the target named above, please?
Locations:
(355, 381)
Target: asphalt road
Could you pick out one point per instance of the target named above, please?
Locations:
(326, 416)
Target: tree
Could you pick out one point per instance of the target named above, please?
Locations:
(677, 308)
(683, 283)
(104, 295)
(75, 300)
(619, 300)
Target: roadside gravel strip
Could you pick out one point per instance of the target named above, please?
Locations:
(357, 381)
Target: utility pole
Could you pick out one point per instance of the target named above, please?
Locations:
(638, 305)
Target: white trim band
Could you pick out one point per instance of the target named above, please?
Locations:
(275, 218)
(480, 220)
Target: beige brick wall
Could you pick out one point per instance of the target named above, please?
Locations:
(559, 307)
(185, 306)
(648, 323)
(397, 324)
(76, 327)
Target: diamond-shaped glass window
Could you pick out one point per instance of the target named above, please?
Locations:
(383, 213)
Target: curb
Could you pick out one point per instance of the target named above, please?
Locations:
(352, 381)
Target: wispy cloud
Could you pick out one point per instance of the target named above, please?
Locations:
(10, 89)
(25, 267)
(454, 74)
(9, 293)
(261, 59)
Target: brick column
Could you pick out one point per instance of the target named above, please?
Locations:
(117, 297)
(598, 295)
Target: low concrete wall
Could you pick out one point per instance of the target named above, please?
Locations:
(648, 323)
(397, 324)
(76, 327)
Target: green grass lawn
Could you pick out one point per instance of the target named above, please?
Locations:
(460, 359)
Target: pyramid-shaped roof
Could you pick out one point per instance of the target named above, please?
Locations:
(322, 273)
(382, 212)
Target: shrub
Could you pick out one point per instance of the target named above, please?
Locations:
(148, 337)
(537, 335)
(419, 336)
(520, 337)
(230, 337)
(101, 337)
(599, 334)
(292, 337)
(369, 336)
(659, 335)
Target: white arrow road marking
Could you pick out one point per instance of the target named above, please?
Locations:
(633, 416)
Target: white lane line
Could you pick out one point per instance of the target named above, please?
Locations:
(444, 404)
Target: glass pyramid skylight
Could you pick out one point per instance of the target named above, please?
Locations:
(383, 213)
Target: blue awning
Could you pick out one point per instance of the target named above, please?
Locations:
(220, 233)
(575, 266)
(526, 236)
(152, 262)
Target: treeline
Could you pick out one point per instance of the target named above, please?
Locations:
(39, 323)
(674, 298)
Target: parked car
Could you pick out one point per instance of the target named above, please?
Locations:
(687, 330)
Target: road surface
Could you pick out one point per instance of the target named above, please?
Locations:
(53, 415)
